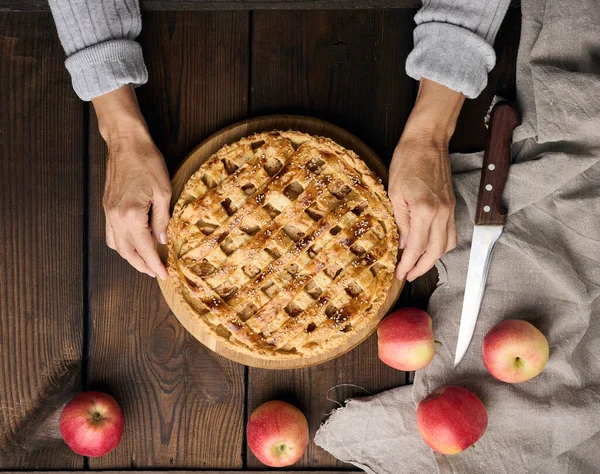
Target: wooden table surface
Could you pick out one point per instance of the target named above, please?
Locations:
(75, 316)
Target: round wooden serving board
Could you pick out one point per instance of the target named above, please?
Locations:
(232, 134)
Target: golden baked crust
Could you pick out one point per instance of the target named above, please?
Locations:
(283, 245)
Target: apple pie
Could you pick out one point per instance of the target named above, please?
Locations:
(283, 245)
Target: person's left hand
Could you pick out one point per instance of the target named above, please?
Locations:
(420, 184)
(423, 201)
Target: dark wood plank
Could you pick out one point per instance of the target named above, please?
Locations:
(184, 405)
(42, 156)
(347, 68)
(178, 5)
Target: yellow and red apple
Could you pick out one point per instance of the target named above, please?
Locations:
(277, 433)
(405, 339)
(92, 424)
(515, 351)
(451, 419)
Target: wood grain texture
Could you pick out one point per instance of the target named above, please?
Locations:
(41, 257)
(193, 162)
(184, 405)
(177, 5)
(346, 68)
(504, 118)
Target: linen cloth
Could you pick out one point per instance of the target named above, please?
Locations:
(545, 269)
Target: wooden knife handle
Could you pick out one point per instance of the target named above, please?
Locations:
(504, 118)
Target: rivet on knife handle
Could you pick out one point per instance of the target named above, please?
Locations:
(504, 119)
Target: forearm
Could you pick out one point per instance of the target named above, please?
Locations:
(99, 40)
(434, 114)
(119, 115)
(453, 43)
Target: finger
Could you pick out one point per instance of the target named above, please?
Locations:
(125, 247)
(415, 245)
(403, 220)
(110, 236)
(436, 247)
(108, 229)
(452, 236)
(144, 246)
(159, 214)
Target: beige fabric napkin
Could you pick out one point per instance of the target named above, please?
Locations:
(545, 269)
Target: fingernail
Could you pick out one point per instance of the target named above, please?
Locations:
(152, 275)
(163, 238)
(402, 242)
(410, 279)
(401, 277)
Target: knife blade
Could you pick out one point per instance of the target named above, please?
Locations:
(489, 217)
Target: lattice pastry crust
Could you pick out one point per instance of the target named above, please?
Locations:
(283, 244)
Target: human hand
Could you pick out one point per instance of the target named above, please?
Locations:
(137, 190)
(421, 182)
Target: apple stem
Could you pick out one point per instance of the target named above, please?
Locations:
(437, 343)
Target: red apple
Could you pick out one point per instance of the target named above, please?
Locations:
(92, 424)
(277, 433)
(405, 339)
(451, 419)
(515, 351)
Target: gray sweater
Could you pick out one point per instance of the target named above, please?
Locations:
(453, 43)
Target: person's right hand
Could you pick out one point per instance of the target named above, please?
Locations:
(137, 190)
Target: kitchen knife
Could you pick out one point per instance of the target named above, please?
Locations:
(489, 217)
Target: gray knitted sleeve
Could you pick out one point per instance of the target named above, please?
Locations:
(99, 39)
(453, 43)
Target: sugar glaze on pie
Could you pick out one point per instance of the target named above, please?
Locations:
(283, 245)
